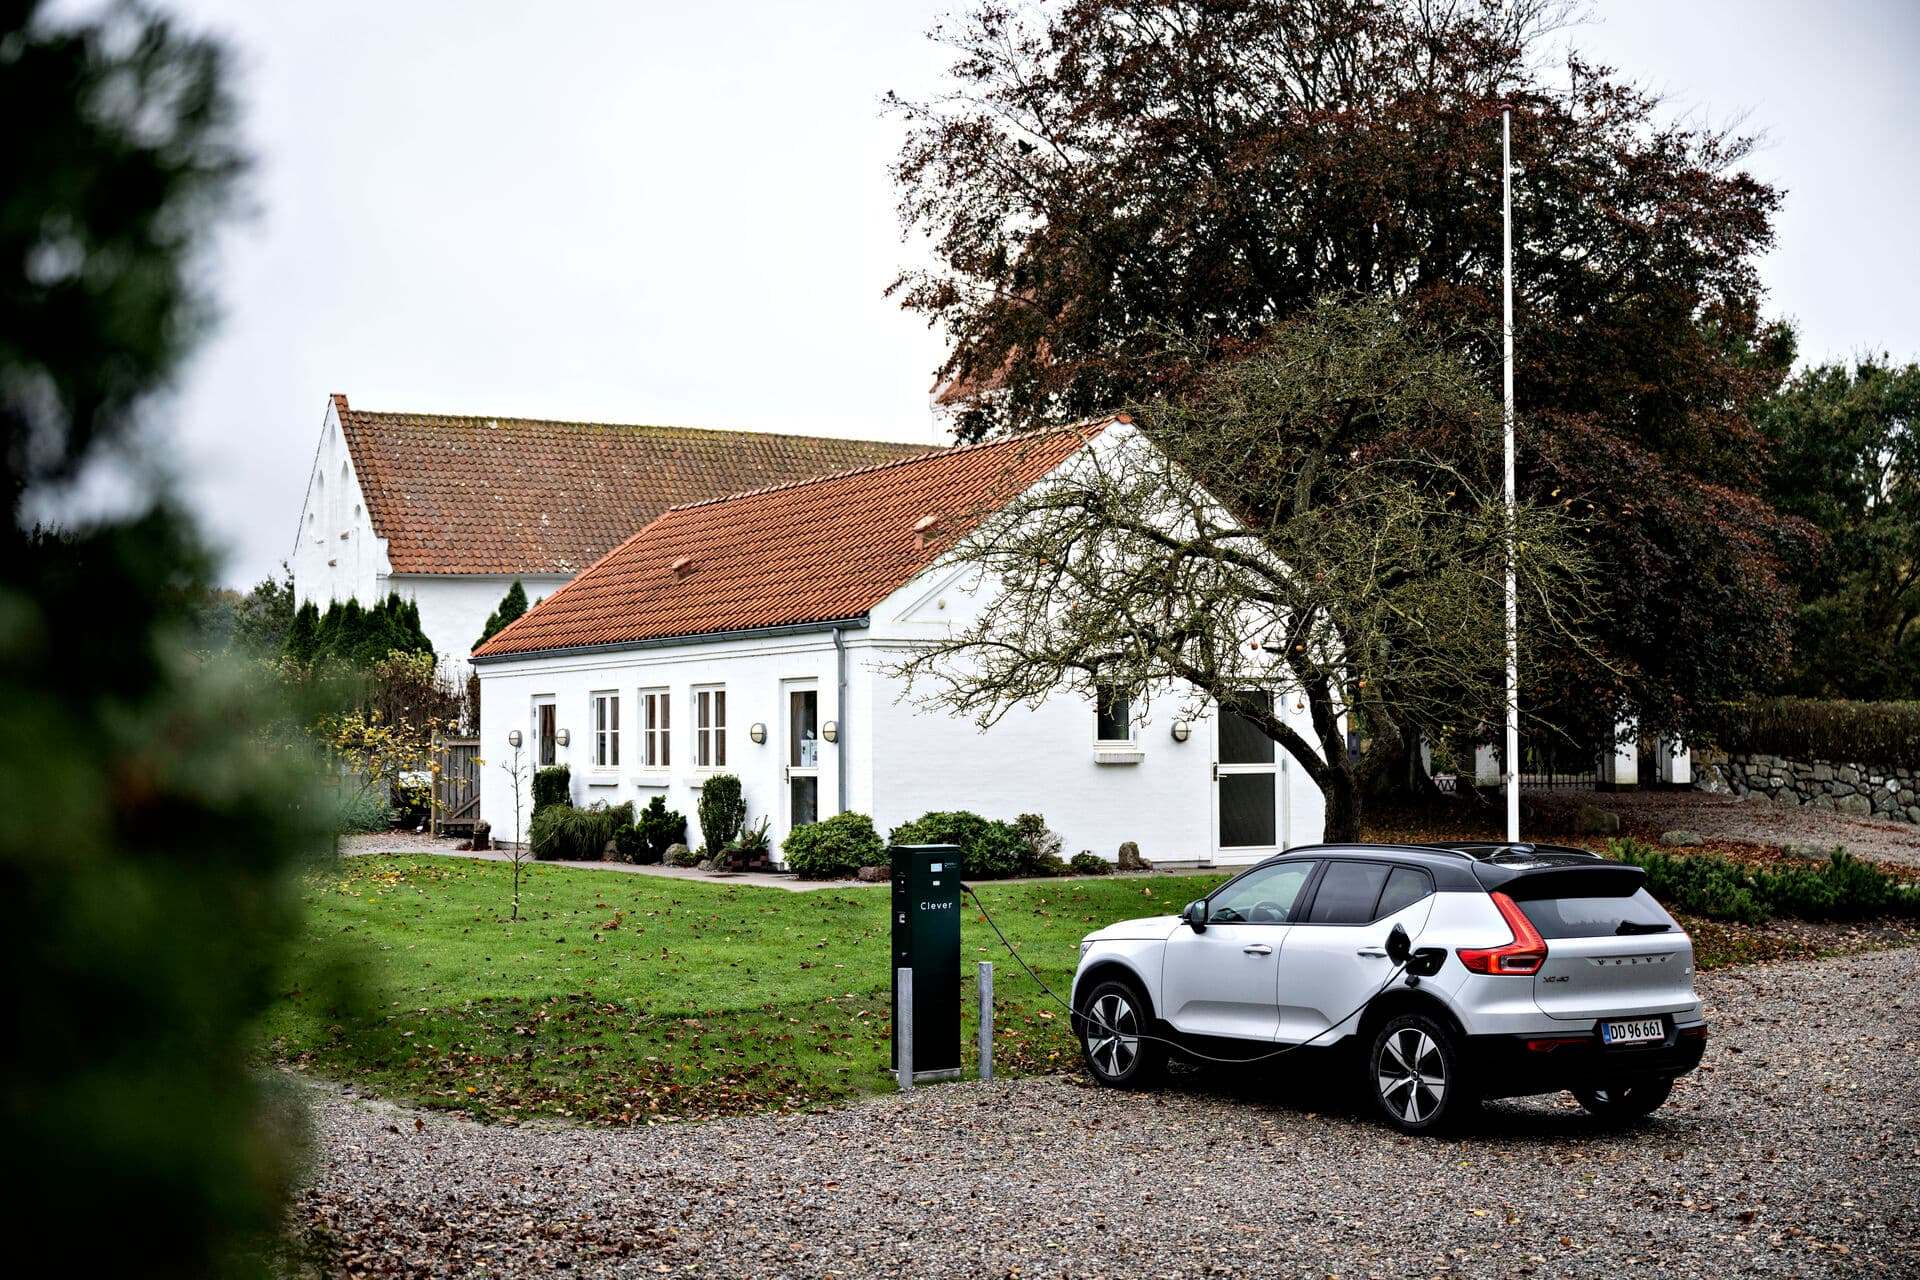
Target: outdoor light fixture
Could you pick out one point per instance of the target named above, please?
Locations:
(1182, 731)
(830, 731)
(560, 736)
(513, 737)
(758, 733)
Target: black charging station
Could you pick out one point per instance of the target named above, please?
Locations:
(926, 939)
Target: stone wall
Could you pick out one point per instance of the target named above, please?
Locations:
(1866, 790)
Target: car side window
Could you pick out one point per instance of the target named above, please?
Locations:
(1266, 896)
(1347, 893)
(1405, 887)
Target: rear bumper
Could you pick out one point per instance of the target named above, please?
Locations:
(1510, 1066)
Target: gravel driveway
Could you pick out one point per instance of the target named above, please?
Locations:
(1795, 1151)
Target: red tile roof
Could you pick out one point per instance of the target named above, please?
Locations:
(513, 495)
(816, 551)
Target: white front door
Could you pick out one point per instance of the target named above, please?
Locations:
(803, 754)
(1249, 798)
(1225, 982)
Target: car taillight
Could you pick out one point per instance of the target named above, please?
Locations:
(1524, 955)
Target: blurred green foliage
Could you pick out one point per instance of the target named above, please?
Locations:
(152, 819)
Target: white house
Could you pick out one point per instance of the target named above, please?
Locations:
(751, 635)
(449, 510)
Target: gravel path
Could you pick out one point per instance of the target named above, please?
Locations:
(1795, 1151)
(1749, 820)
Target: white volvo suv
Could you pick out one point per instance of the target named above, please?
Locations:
(1456, 973)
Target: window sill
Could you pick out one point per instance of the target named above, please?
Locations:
(1118, 753)
(601, 779)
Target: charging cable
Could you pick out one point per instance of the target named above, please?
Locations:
(1185, 1049)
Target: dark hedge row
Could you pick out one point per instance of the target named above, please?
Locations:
(1882, 733)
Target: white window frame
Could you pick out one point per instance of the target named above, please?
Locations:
(710, 727)
(655, 730)
(606, 728)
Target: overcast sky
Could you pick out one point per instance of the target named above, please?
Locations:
(674, 213)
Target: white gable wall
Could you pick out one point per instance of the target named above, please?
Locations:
(336, 554)
(454, 608)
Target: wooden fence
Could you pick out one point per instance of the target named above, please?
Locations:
(456, 785)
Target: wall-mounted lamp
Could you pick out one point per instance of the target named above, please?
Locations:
(513, 737)
(1182, 731)
(830, 731)
(758, 733)
(561, 736)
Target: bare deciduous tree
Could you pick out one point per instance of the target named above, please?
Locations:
(1322, 522)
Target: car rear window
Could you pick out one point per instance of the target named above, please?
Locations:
(1596, 917)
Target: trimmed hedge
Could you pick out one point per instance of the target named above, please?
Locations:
(989, 849)
(1841, 888)
(562, 833)
(1882, 733)
(836, 846)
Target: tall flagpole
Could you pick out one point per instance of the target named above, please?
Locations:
(1513, 609)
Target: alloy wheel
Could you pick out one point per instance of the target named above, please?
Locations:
(1113, 1034)
(1412, 1075)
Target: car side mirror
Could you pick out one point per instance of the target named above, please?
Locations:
(1195, 914)
(1399, 945)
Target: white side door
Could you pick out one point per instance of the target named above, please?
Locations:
(1225, 981)
(1335, 958)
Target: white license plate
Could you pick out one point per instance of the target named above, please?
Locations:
(1638, 1032)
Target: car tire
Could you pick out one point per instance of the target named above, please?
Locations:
(1115, 1026)
(1415, 1075)
(1634, 1101)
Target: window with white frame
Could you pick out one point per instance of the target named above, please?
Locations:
(606, 730)
(710, 728)
(656, 723)
(1112, 714)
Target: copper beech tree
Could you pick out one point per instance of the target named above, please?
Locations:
(1322, 520)
(1119, 193)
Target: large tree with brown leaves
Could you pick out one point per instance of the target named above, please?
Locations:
(1120, 192)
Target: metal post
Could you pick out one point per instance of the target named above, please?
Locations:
(1512, 601)
(985, 983)
(903, 1027)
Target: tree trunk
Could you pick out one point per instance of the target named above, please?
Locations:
(1342, 795)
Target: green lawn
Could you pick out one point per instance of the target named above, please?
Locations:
(620, 998)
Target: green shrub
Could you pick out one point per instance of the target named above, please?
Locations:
(836, 846)
(658, 827)
(1841, 888)
(630, 846)
(1882, 733)
(1088, 863)
(562, 833)
(552, 786)
(723, 812)
(360, 811)
(1040, 855)
(686, 857)
(989, 849)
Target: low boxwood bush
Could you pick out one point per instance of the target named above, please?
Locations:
(989, 849)
(552, 786)
(562, 833)
(1088, 863)
(836, 846)
(1882, 733)
(1841, 888)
